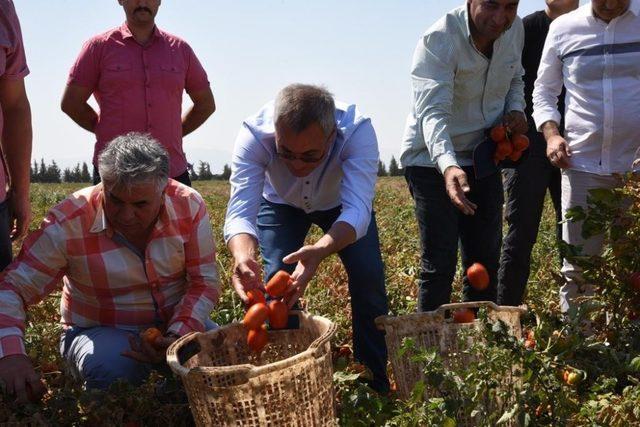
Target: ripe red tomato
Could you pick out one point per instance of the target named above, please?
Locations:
(255, 296)
(520, 142)
(498, 133)
(255, 316)
(463, 315)
(478, 276)
(278, 284)
(257, 339)
(278, 314)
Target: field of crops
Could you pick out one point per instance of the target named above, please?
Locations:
(607, 362)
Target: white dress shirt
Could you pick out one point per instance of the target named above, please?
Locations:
(599, 64)
(346, 177)
(458, 92)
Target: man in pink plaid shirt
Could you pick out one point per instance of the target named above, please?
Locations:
(131, 253)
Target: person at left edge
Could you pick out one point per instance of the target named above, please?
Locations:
(304, 160)
(137, 74)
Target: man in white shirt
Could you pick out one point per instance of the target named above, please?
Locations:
(467, 77)
(304, 160)
(595, 52)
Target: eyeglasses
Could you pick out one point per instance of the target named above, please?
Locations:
(286, 155)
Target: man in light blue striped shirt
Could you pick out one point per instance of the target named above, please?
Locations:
(301, 160)
(467, 77)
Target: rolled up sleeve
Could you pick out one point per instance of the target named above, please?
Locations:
(360, 168)
(432, 77)
(548, 85)
(248, 167)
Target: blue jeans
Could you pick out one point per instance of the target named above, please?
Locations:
(94, 356)
(443, 227)
(282, 229)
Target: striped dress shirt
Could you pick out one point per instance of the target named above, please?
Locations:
(599, 64)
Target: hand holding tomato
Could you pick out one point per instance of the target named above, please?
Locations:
(308, 258)
(247, 275)
(516, 121)
(149, 347)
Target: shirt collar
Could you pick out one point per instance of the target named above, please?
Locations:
(634, 7)
(126, 32)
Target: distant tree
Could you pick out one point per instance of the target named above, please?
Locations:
(226, 173)
(76, 174)
(394, 170)
(67, 176)
(193, 176)
(43, 171)
(34, 172)
(52, 172)
(382, 169)
(204, 171)
(85, 176)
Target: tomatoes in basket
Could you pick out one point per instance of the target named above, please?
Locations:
(255, 296)
(463, 315)
(278, 314)
(277, 286)
(478, 276)
(257, 338)
(255, 316)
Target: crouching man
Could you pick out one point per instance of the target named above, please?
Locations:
(131, 253)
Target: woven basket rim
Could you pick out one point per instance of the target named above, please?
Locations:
(314, 350)
(438, 314)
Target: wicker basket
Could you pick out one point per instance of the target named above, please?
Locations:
(289, 383)
(436, 329)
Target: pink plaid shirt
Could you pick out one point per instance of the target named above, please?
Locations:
(13, 62)
(139, 88)
(104, 282)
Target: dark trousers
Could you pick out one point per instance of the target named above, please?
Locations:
(282, 229)
(5, 240)
(184, 178)
(443, 228)
(526, 187)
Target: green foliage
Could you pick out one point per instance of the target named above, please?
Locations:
(607, 360)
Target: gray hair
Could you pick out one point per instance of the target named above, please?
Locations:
(298, 105)
(133, 158)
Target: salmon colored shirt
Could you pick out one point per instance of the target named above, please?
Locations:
(13, 62)
(106, 282)
(139, 88)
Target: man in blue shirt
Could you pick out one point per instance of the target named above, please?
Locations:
(304, 160)
(467, 77)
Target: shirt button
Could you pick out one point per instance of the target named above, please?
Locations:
(307, 182)
(305, 197)
(149, 105)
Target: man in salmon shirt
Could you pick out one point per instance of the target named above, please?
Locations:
(15, 141)
(137, 74)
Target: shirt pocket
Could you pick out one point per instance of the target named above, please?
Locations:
(172, 77)
(116, 76)
(502, 76)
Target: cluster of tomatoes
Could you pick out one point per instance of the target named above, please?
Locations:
(478, 277)
(259, 311)
(508, 145)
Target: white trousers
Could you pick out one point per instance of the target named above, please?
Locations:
(575, 189)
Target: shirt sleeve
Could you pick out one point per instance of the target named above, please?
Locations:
(432, 77)
(248, 167)
(36, 272)
(203, 281)
(16, 59)
(548, 85)
(359, 173)
(85, 71)
(515, 97)
(196, 76)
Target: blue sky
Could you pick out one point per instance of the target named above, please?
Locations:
(361, 50)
